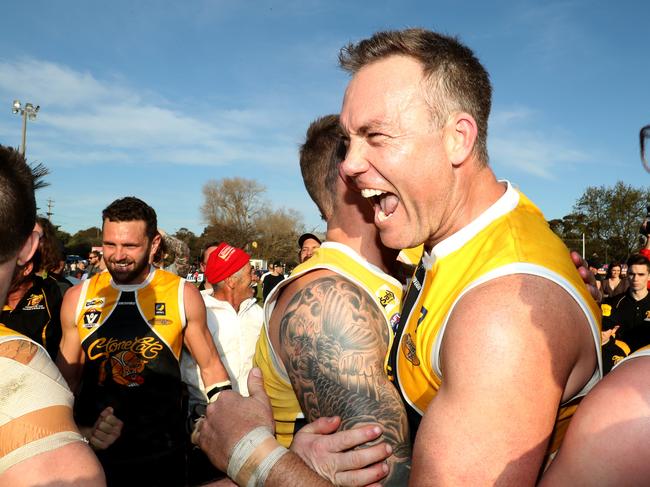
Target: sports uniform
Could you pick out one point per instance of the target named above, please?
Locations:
(35, 402)
(385, 291)
(37, 314)
(132, 337)
(510, 237)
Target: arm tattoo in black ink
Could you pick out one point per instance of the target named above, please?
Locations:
(335, 338)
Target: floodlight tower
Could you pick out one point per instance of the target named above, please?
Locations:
(27, 111)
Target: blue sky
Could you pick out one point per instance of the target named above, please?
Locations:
(154, 98)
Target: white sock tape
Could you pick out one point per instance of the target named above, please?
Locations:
(253, 457)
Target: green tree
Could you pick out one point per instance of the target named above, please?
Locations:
(82, 241)
(610, 217)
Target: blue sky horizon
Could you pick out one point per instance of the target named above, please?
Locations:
(153, 99)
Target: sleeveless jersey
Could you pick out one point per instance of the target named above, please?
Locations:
(340, 259)
(510, 237)
(132, 337)
(35, 402)
(36, 315)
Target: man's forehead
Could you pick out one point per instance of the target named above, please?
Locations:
(380, 93)
(123, 227)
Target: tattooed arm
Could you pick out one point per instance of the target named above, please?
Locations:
(333, 341)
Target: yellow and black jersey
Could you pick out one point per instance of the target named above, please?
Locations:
(385, 291)
(37, 314)
(510, 237)
(132, 336)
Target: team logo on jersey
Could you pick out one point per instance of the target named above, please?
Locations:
(126, 369)
(95, 303)
(160, 321)
(386, 297)
(160, 309)
(91, 318)
(647, 316)
(408, 349)
(34, 302)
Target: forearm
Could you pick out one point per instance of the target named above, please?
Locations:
(291, 471)
(213, 371)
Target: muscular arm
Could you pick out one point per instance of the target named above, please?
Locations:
(506, 363)
(71, 357)
(198, 339)
(333, 341)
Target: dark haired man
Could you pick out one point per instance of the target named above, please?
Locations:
(123, 332)
(272, 279)
(307, 244)
(39, 441)
(629, 316)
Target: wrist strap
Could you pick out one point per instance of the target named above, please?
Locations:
(213, 391)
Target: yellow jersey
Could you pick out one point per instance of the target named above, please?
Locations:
(510, 237)
(385, 290)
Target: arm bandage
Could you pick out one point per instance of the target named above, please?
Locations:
(253, 457)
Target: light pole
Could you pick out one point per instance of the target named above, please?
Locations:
(27, 111)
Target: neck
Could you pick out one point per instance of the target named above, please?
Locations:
(224, 293)
(475, 192)
(640, 294)
(364, 241)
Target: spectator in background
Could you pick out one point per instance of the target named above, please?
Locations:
(307, 243)
(272, 279)
(614, 285)
(52, 256)
(628, 319)
(95, 265)
(33, 305)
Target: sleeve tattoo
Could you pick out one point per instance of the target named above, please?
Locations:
(334, 338)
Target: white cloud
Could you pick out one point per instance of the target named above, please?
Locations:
(541, 153)
(93, 121)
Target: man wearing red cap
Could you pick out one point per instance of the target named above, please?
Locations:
(234, 318)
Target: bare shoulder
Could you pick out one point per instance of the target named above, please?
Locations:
(19, 350)
(71, 464)
(524, 319)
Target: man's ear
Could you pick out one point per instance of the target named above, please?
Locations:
(27, 250)
(155, 243)
(460, 135)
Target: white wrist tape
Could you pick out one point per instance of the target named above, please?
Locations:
(253, 457)
(214, 390)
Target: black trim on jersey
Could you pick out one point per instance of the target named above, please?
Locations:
(412, 294)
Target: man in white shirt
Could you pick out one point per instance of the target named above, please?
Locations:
(234, 319)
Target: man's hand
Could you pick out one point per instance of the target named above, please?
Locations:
(230, 418)
(106, 430)
(332, 457)
(587, 277)
(606, 335)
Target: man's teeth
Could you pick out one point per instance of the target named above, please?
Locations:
(381, 216)
(369, 193)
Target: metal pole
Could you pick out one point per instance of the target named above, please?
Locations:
(23, 147)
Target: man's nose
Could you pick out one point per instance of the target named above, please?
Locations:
(355, 162)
